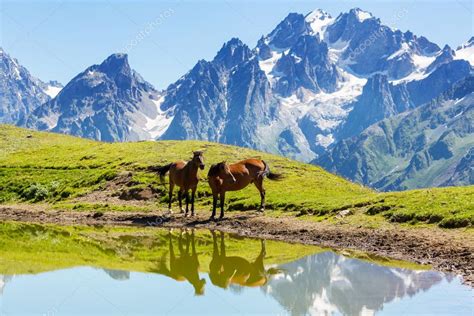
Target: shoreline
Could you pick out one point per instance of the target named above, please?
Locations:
(445, 250)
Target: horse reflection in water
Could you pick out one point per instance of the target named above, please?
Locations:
(226, 270)
(185, 266)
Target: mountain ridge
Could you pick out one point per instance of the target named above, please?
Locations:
(308, 85)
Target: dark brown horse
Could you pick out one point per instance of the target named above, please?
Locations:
(184, 174)
(223, 177)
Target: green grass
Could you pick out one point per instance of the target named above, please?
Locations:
(56, 169)
(33, 248)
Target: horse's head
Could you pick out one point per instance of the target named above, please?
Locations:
(198, 159)
(221, 170)
(199, 287)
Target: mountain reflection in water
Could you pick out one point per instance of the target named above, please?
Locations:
(212, 265)
(327, 282)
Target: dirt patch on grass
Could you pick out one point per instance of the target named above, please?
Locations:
(449, 251)
(123, 191)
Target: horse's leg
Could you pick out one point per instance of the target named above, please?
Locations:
(193, 194)
(186, 192)
(193, 243)
(172, 256)
(222, 204)
(170, 196)
(222, 244)
(180, 243)
(214, 205)
(261, 189)
(180, 198)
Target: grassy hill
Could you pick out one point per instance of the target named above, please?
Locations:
(38, 167)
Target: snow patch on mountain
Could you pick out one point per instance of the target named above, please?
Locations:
(319, 21)
(363, 15)
(421, 65)
(158, 124)
(267, 65)
(326, 111)
(52, 91)
(466, 52)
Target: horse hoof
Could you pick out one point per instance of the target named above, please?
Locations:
(170, 211)
(181, 211)
(193, 214)
(186, 215)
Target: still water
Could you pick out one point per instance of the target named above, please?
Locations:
(57, 271)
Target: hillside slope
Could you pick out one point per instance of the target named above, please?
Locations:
(75, 166)
(429, 146)
(64, 171)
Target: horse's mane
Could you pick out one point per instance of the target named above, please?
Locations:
(214, 170)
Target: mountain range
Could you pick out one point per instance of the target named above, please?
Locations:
(316, 88)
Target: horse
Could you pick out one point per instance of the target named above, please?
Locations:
(223, 177)
(184, 174)
(185, 266)
(225, 270)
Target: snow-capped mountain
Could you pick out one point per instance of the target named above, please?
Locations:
(108, 102)
(330, 284)
(308, 85)
(466, 51)
(311, 82)
(20, 92)
(432, 145)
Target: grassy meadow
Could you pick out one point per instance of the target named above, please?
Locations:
(57, 170)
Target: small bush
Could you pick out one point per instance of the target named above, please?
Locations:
(36, 192)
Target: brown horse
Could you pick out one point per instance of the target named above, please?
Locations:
(184, 174)
(223, 177)
(225, 270)
(185, 265)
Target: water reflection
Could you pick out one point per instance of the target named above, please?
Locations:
(328, 283)
(183, 266)
(267, 276)
(234, 270)
(119, 275)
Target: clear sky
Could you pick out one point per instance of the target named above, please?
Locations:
(57, 39)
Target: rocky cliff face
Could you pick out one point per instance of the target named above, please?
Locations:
(311, 82)
(20, 92)
(432, 145)
(108, 102)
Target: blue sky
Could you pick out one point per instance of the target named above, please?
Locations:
(57, 39)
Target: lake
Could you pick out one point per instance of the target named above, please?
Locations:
(51, 270)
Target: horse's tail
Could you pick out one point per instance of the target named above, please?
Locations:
(271, 175)
(163, 170)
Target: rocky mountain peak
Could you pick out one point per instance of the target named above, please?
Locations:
(288, 31)
(318, 14)
(469, 43)
(232, 53)
(360, 14)
(20, 92)
(116, 64)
